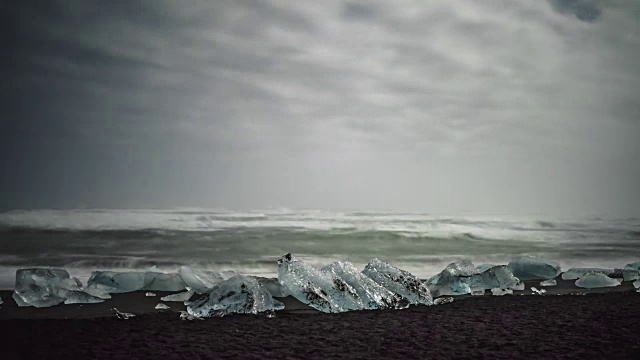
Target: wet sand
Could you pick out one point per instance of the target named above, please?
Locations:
(603, 323)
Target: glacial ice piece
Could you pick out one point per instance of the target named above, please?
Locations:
(373, 295)
(496, 277)
(477, 292)
(321, 290)
(200, 281)
(551, 282)
(534, 268)
(455, 279)
(482, 268)
(443, 300)
(149, 294)
(536, 291)
(43, 287)
(636, 284)
(0, 301)
(593, 280)
(161, 306)
(625, 274)
(519, 287)
(633, 266)
(81, 297)
(577, 273)
(500, 292)
(273, 286)
(121, 282)
(398, 281)
(123, 315)
(186, 316)
(181, 297)
(237, 295)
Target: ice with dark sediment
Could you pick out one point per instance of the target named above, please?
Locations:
(122, 282)
(202, 282)
(179, 297)
(593, 280)
(43, 287)
(81, 297)
(237, 295)
(550, 282)
(534, 268)
(373, 295)
(398, 281)
(321, 290)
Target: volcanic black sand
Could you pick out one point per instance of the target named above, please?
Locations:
(596, 325)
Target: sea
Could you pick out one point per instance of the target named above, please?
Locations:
(251, 242)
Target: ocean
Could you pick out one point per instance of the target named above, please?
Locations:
(251, 242)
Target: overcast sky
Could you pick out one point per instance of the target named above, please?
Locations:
(493, 106)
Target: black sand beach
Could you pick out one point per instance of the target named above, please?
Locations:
(595, 325)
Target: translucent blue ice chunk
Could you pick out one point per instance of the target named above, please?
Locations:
(455, 279)
(633, 266)
(577, 273)
(81, 297)
(201, 281)
(273, 286)
(121, 282)
(179, 297)
(593, 280)
(237, 295)
(496, 277)
(43, 287)
(534, 268)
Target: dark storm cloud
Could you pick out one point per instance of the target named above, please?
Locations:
(432, 106)
(585, 10)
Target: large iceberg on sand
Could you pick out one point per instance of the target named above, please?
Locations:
(372, 294)
(496, 277)
(596, 280)
(43, 287)
(121, 282)
(625, 274)
(237, 295)
(534, 268)
(398, 281)
(321, 290)
(455, 279)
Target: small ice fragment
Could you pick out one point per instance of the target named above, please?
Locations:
(123, 315)
(183, 296)
(477, 292)
(550, 282)
(161, 306)
(536, 291)
(186, 316)
(149, 294)
(636, 284)
(0, 301)
(81, 297)
(500, 292)
(534, 268)
(597, 280)
(442, 300)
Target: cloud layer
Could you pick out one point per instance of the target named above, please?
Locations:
(497, 106)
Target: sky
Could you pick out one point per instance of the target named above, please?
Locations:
(494, 106)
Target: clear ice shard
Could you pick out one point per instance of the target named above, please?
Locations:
(482, 268)
(593, 280)
(149, 294)
(372, 295)
(534, 268)
(237, 295)
(181, 297)
(398, 281)
(536, 291)
(636, 284)
(577, 273)
(455, 279)
(121, 282)
(161, 306)
(123, 315)
(551, 282)
(500, 292)
(81, 297)
(43, 287)
(200, 281)
(496, 277)
(186, 316)
(321, 290)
